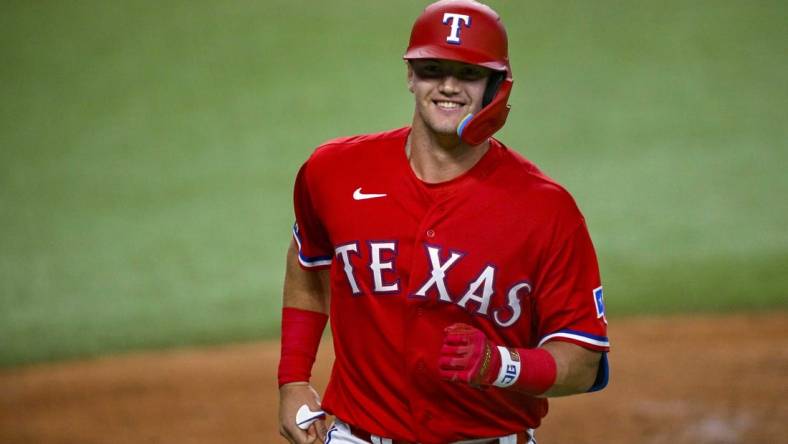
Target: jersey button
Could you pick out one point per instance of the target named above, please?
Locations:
(419, 311)
(430, 233)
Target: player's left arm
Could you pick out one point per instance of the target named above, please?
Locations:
(576, 368)
(557, 368)
(569, 312)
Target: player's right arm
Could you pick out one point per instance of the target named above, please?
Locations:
(305, 289)
(304, 315)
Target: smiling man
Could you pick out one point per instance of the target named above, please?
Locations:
(460, 281)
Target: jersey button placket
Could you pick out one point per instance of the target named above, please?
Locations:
(418, 315)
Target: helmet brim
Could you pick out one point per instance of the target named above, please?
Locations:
(439, 52)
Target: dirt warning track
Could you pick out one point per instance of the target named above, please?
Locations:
(702, 379)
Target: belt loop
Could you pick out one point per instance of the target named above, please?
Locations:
(509, 439)
(515, 438)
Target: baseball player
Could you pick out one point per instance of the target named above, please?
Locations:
(460, 281)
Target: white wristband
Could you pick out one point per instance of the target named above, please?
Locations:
(510, 368)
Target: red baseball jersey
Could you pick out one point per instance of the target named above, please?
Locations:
(503, 248)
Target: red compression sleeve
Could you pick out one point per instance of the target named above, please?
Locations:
(526, 370)
(301, 332)
(538, 371)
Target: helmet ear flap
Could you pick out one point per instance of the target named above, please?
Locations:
(475, 129)
(493, 84)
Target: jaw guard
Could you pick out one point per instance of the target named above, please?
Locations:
(475, 129)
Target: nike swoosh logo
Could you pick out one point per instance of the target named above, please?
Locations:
(358, 195)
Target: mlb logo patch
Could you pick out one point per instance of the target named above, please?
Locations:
(599, 301)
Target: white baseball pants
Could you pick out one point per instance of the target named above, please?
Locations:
(339, 433)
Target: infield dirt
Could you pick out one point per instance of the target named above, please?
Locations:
(700, 379)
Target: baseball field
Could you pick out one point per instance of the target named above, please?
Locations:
(147, 156)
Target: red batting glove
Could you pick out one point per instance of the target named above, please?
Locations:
(467, 356)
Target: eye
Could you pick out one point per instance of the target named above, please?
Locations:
(471, 73)
(428, 70)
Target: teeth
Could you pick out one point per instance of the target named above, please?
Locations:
(448, 105)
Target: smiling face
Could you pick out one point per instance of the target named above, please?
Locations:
(445, 92)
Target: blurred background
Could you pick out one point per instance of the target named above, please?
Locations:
(148, 151)
(147, 156)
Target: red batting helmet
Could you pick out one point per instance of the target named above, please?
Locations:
(470, 32)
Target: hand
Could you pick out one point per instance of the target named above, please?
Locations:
(467, 356)
(291, 397)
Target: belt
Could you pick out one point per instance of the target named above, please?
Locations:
(364, 435)
(358, 432)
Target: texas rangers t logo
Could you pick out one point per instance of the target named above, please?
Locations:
(456, 20)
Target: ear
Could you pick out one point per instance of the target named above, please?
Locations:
(410, 76)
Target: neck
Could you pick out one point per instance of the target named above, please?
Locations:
(437, 158)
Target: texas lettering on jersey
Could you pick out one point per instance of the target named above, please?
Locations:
(478, 293)
(502, 247)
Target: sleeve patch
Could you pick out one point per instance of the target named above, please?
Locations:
(599, 301)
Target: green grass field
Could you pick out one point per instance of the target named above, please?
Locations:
(148, 149)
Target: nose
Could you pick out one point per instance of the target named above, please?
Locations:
(449, 85)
